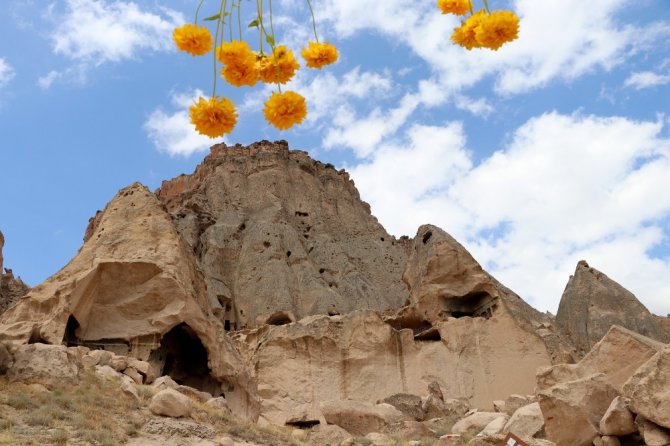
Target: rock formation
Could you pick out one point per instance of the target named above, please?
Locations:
(11, 288)
(134, 288)
(592, 303)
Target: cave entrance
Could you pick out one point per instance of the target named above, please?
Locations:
(185, 360)
(70, 338)
(475, 304)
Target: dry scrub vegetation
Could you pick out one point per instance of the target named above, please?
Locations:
(97, 412)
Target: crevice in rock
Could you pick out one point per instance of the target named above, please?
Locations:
(280, 318)
(427, 237)
(307, 424)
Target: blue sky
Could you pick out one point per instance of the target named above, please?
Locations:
(554, 149)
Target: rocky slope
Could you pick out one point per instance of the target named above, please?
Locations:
(11, 288)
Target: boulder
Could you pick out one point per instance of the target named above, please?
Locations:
(219, 403)
(408, 404)
(573, 410)
(655, 435)
(649, 389)
(525, 422)
(130, 390)
(377, 439)
(164, 382)
(474, 423)
(592, 303)
(327, 434)
(170, 403)
(195, 394)
(360, 417)
(133, 374)
(494, 427)
(410, 430)
(606, 440)
(515, 402)
(617, 355)
(51, 365)
(618, 420)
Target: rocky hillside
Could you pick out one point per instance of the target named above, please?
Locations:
(263, 279)
(11, 288)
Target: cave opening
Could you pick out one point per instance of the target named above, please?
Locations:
(280, 318)
(184, 358)
(475, 304)
(70, 338)
(303, 424)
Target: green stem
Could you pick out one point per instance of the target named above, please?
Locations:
(259, 12)
(197, 10)
(222, 19)
(216, 37)
(311, 11)
(486, 5)
(239, 17)
(230, 20)
(274, 54)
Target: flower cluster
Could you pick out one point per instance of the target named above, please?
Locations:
(483, 28)
(243, 66)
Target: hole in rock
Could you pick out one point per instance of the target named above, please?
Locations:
(184, 359)
(307, 424)
(475, 304)
(36, 337)
(301, 214)
(267, 244)
(414, 323)
(280, 318)
(427, 236)
(430, 334)
(322, 270)
(70, 338)
(288, 253)
(382, 239)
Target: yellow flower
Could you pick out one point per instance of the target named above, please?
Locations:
(466, 34)
(193, 39)
(283, 110)
(213, 117)
(241, 73)
(231, 52)
(318, 54)
(497, 28)
(458, 7)
(278, 67)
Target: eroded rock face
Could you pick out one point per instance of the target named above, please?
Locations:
(11, 288)
(276, 232)
(359, 356)
(592, 303)
(134, 288)
(649, 389)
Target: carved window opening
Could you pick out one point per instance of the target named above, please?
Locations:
(280, 318)
(70, 338)
(475, 304)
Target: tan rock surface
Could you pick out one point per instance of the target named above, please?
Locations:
(592, 303)
(618, 355)
(327, 434)
(360, 417)
(474, 423)
(525, 422)
(360, 356)
(618, 420)
(51, 365)
(572, 410)
(171, 403)
(130, 284)
(275, 231)
(649, 389)
(655, 435)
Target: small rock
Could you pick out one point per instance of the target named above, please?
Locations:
(130, 371)
(379, 439)
(226, 441)
(218, 403)
(606, 440)
(348, 442)
(472, 424)
(450, 440)
(299, 434)
(514, 402)
(494, 427)
(106, 372)
(164, 382)
(618, 420)
(525, 422)
(130, 390)
(655, 435)
(499, 406)
(171, 403)
(194, 393)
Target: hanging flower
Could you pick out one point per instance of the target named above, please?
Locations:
(233, 52)
(240, 73)
(278, 67)
(213, 117)
(458, 7)
(284, 110)
(193, 39)
(466, 34)
(318, 54)
(497, 28)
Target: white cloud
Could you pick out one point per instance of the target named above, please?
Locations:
(646, 79)
(48, 79)
(565, 188)
(7, 73)
(173, 133)
(93, 32)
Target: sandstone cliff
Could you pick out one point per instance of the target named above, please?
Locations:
(11, 288)
(592, 303)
